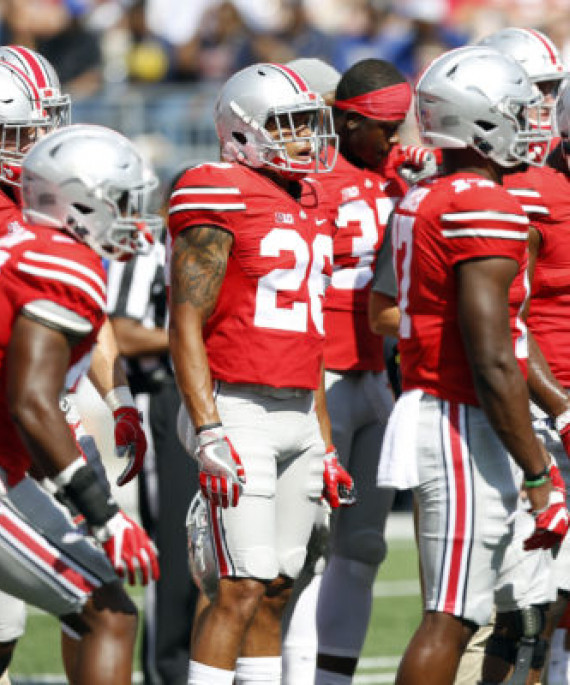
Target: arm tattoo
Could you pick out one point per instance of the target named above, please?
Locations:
(199, 261)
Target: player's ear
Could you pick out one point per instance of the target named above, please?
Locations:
(353, 121)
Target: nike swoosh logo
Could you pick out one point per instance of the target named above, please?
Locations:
(320, 221)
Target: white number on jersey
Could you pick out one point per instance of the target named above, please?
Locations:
(402, 234)
(268, 314)
(364, 245)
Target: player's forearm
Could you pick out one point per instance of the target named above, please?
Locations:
(134, 339)
(191, 367)
(37, 362)
(503, 395)
(383, 315)
(44, 431)
(322, 411)
(198, 266)
(106, 371)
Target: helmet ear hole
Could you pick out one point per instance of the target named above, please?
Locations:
(82, 209)
(240, 137)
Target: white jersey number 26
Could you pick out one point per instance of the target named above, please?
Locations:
(268, 313)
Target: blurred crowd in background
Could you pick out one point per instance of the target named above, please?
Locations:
(150, 68)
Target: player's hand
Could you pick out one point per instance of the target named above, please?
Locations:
(222, 475)
(551, 522)
(414, 163)
(128, 548)
(338, 487)
(130, 441)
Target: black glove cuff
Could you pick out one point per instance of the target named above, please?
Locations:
(208, 426)
(90, 497)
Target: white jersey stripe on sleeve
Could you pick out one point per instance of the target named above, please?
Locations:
(63, 277)
(67, 264)
(485, 233)
(524, 192)
(486, 216)
(536, 209)
(214, 206)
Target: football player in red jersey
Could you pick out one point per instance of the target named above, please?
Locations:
(35, 87)
(33, 105)
(539, 57)
(83, 191)
(538, 191)
(543, 195)
(371, 103)
(460, 253)
(363, 188)
(251, 244)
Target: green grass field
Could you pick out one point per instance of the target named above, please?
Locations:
(395, 615)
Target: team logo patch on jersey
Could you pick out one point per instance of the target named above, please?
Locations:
(14, 227)
(284, 218)
(350, 193)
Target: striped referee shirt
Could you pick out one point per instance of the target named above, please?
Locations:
(136, 290)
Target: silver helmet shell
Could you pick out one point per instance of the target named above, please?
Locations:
(263, 92)
(91, 182)
(479, 98)
(532, 49)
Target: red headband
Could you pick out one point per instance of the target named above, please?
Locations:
(387, 104)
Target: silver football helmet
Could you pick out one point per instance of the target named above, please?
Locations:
(275, 95)
(477, 97)
(91, 182)
(534, 51)
(22, 120)
(538, 56)
(201, 554)
(42, 74)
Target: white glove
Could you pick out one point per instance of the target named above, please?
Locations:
(222, 475)
(416, 163)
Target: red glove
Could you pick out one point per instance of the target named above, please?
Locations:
(130, 441)
(556, 479)
(338, 484)
(551, 523)
(222, 475)
(562, 424)
(128, 547)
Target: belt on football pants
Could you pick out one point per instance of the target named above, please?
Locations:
(265, 390)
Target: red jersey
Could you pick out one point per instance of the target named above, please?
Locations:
(9, 212)
(437, 225)
(545, 196)
(267, 326)
(363, 201)
(43, 264)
